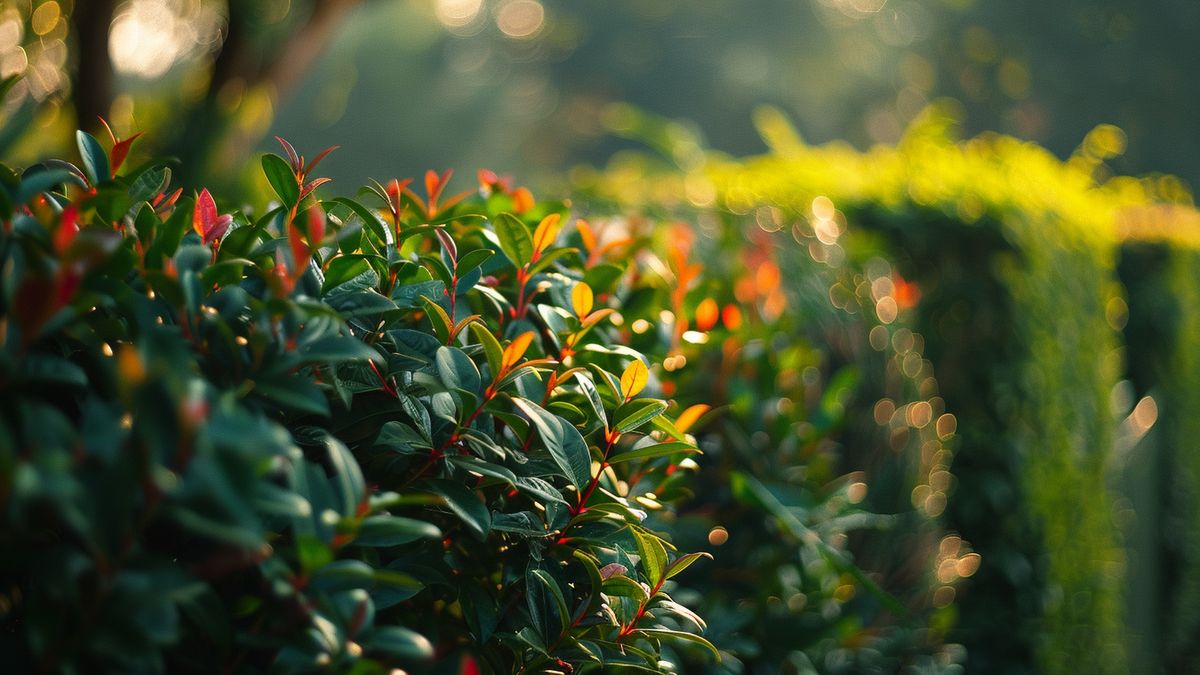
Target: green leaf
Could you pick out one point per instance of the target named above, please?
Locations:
(685, 561)
(483, 468)
(281, 178)
(514, 238)
(541, 591)
(637, 412)
(344, 268)
(564, 442)
(36, 182)
(347, 477)
(42, 368)
(386, 530)
(398, 642)
(95, 160)
(343, 575)
(681, 636)
(657, 450)
(370, 221)
(457, 370)
(442, 325)
(653, 554)
(464, 503)
(491, 347)
(625, 587)
(473, 259)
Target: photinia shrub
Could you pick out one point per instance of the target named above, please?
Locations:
(352, 435)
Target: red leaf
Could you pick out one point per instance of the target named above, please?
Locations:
(448, 244)
(468, 667)
(312, 185)
(205, 220)
(120, 151)
(111, 135)
(68, 227)
(294, 159)
(487, 179)
(316, 225)
(317, 160)
(434, 184)
(300, 252)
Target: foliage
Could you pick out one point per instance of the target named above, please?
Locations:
(1013, 252)
(825, 466)
(329, 437)
(1160, 274)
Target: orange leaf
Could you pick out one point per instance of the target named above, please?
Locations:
(587, 234)
(546, 232)
(581, 299)
(732, 317)
(634, 379)
(707, 314)
(688, 417)
(515, 350)
(522, 200)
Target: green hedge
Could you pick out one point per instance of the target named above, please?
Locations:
(1161, 274)
(1014, 252)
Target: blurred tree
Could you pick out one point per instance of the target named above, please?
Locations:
(217, 53)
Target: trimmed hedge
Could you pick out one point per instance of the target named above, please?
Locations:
(1014, 254)
(832, 421)
(1160, 269)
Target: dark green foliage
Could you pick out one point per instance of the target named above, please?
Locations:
(1162, 282)
(322, 439)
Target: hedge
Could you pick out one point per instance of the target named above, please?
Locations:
(1160, 270)
(832, 421)
(326, 437)
(1013, 252)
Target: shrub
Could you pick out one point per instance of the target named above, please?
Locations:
(1159, 263)
(1013, 252)
(828, 424)
(326, 438)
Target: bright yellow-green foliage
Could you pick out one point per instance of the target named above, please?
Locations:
(1063, 222)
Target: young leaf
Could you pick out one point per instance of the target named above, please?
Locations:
(205, 220)
(689, 417)
(546, 232)
(516, 349)
(491, 347)
(448, 245)
(685, 561)
(634, 379)
(581, 299)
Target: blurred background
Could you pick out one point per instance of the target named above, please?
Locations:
(529, 86)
